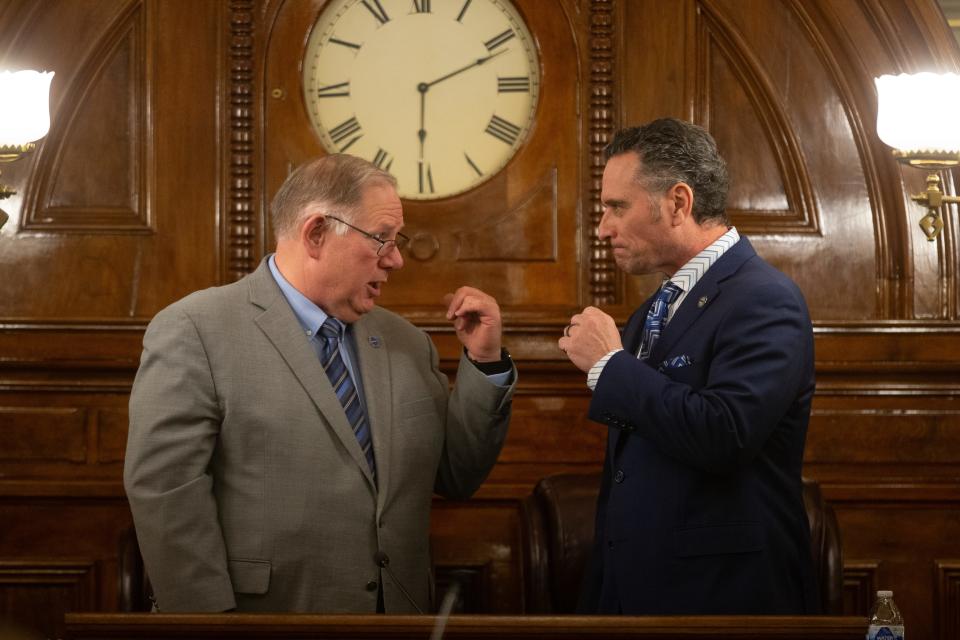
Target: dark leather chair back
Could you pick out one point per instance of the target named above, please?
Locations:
(558, 520)
(133, 588)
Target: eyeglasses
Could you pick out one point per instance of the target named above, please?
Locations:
(386, 246)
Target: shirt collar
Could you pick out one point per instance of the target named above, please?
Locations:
(689, 274)
(310, 316)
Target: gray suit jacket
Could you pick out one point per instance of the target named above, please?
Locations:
(247, 485)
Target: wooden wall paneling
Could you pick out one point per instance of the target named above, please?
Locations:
(811, 132)
(488, 559)
(947, 598)
(859, 586)
(908, 536)
(103, 116)
(30, 590)
(58, 554)
(197, 138)
(925, 274)
(771, 191)
(655, 45)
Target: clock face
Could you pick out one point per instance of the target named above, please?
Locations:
(440, 93)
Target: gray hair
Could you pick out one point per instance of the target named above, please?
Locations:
(336, 181)
(673, 151)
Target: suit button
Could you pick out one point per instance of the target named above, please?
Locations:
(618, 476)
(372, 585)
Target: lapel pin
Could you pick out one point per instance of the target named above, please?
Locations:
(374, 341)
(702, 301)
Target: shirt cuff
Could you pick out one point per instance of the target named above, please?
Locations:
(504, 379)
(594, 374)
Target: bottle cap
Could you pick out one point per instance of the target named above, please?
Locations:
(884, 594)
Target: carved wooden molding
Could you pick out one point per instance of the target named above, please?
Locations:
(603, 116)
(79, 578)
(240, 231)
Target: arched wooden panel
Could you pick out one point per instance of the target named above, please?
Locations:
(91, 176)
(770, 188)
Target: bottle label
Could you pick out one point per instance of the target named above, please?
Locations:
(885, 632)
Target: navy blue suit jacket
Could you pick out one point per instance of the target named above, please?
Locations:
(701, 506)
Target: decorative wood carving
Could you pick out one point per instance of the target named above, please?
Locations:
(243, 229)
(604, 275)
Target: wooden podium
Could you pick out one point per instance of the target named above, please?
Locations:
(99, 626)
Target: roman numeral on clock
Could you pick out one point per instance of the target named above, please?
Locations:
(334, 90)
(498, 40)
(473, 164)
(503, 130)
(463, 11)
(344, 130)
(345, 43)
(426, 177)
(377, 10)
(383, 160)
(513, 84)
(421, 6)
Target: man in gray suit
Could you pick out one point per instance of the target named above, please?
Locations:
(286, 435)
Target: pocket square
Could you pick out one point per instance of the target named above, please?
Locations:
(675, 362)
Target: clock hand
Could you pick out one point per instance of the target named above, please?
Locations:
(422, 132)
(475, 63)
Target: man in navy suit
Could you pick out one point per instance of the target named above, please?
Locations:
(707, 395)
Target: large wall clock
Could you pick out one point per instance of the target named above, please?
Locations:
(440, 93)
(472, 104)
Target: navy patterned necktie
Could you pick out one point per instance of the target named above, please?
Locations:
(656, 318)
(343, 386)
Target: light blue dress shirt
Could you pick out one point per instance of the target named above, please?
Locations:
(312, 317)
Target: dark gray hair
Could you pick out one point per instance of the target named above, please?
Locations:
(336, 182)
(673, 151)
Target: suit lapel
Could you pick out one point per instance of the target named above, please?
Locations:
(701, 297)
(374, 370)
(280, 325)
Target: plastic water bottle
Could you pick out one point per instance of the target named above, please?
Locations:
(886, 623)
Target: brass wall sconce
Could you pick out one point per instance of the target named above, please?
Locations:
(916, 115)
(24, 115)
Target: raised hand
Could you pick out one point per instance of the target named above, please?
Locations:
(476, 319)
(590, 335)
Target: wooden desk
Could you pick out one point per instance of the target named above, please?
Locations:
(99, 626)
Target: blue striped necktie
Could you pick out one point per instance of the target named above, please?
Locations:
(656, 317)
(336, 368)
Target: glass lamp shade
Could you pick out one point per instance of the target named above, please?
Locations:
(919, 112)
(24, 106)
